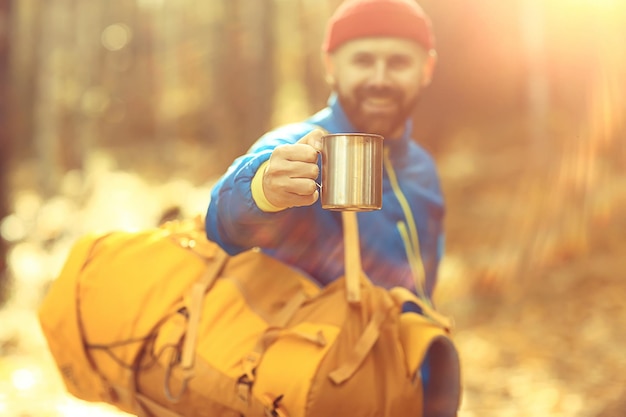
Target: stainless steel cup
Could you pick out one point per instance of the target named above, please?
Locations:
(352, 172)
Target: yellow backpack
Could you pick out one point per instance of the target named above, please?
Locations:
(163, 323)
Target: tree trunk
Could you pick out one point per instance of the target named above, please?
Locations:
(48, 90)
(5, 136)
(312, 18)
(84, 131)
(242, 96)
(24, 32)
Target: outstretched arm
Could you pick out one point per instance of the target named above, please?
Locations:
(249, 203)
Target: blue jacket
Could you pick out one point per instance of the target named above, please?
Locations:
(310, 238)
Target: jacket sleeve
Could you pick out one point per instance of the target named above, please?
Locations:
(233, 219)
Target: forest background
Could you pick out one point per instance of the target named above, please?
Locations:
(114, 113)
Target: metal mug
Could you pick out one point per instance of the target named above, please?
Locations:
(352, 172)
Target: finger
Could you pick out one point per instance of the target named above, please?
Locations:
(304, 200)
(281, 166)
(314, 139)
(302, 197)
(294, 193)
(305, 170)
(298, 152)
(292, 186)
(301, 187)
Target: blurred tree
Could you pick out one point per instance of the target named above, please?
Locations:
(24, 45)
(49, 115)
(244, 86)
(312, 21)
(5, 135)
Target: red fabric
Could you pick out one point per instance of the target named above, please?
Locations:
(365, 18)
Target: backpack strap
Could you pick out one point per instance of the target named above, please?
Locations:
(352, 262)
(196, 297)
(361, 349)
(354, 277)
(402, 295)
(352, 258)
(274, 329)
(194, 308)
(408, 232)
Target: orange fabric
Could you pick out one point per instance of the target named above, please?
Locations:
(163, 323)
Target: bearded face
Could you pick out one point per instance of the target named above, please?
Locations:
(378, 82)
(380, 110)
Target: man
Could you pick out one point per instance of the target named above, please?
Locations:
(379, 56)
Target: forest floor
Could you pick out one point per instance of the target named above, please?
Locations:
(540, 317)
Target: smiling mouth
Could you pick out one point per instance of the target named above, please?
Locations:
(379, 104)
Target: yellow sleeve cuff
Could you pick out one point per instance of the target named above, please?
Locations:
(257, 191)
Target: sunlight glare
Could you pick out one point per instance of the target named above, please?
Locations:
(600, 4)
(24, 379)
(587, 8)
(76, 408)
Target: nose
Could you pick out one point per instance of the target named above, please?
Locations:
(380, 74)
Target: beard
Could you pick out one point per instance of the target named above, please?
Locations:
(384, 123)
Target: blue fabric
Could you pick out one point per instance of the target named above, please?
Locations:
(425, 372)
(310, 238)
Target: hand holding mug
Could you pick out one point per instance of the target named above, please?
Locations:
(290, 176)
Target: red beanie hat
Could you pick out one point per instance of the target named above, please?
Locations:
(365, 18)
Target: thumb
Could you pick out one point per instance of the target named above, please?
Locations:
(313, 138)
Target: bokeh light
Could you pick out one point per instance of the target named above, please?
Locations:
(115, 37)
(24, 379)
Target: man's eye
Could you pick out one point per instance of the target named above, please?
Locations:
(362, 61)
(399, 62)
